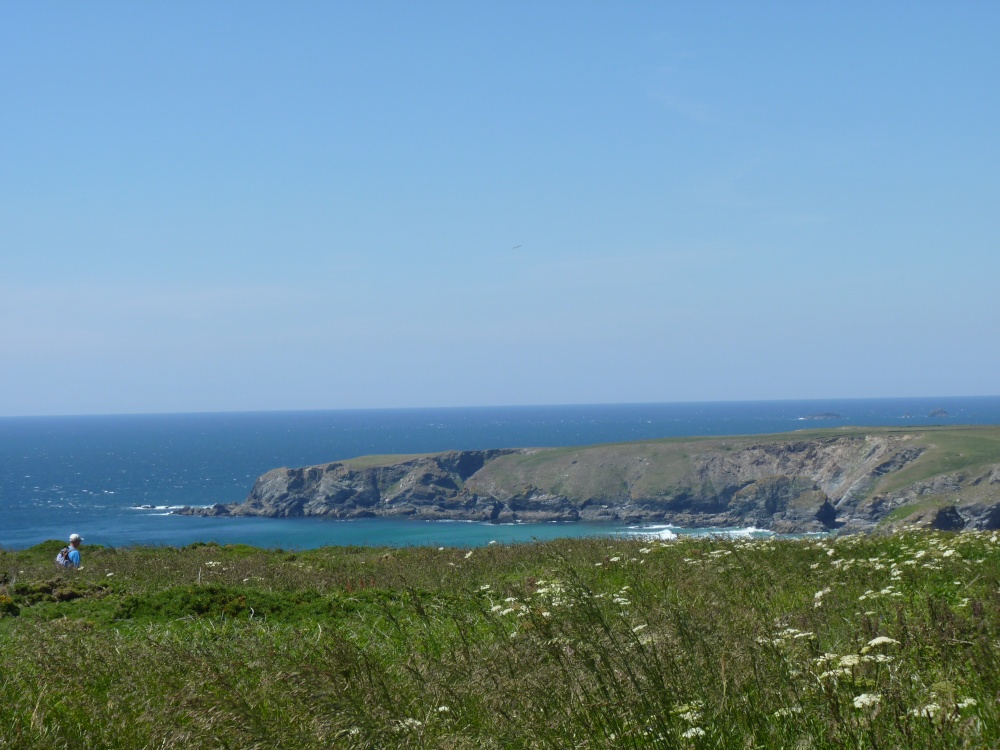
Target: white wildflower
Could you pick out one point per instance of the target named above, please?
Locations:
(818, 597)
(693, 732)
(849, 660)
(834, 673)
(865, 700)
(930, 710)
(878, 658)
(468, 554)
(967, 703)
(882, 640)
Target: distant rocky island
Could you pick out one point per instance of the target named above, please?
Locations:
(938, 413)
(852, 479)
(822, 415)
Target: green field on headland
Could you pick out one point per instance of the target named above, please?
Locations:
(855, 479)
(858, 641)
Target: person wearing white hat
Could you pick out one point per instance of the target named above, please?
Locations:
(74, 550)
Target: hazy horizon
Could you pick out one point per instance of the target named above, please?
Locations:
(711, 402)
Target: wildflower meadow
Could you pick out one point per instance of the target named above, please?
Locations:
(713, 642)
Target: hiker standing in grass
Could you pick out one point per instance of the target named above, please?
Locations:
(69, 557)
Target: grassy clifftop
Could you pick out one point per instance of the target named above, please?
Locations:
(591, 471)
(804, 481)
(861, 641)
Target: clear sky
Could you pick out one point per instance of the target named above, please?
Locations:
(215, 206)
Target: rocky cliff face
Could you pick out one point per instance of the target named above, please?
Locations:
(423, 487)
(785, 484)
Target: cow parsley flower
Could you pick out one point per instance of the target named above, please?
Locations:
(930, 710)
(866, 699)
(880, 641)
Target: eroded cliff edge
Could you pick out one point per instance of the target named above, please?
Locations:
(815, 481)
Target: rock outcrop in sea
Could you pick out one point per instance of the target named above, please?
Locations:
(851, 480)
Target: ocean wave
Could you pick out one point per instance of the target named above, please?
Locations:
(655, 532)
(748, 531)
(672, 532)
(164, 507)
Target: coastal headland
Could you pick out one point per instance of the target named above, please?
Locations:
(849, 479)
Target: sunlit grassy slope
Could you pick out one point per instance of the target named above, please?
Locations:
(657, 467)
(652, 466)
(863, 641)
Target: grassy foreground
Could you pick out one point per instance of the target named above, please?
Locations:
(863, 642)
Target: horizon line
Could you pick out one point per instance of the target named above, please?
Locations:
(233, 412)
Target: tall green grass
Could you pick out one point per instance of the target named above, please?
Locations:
(814, 643)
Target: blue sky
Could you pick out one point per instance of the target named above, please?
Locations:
(241, 206)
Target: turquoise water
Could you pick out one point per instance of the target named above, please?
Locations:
(87, 474)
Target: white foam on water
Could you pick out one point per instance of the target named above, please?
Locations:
(671, 532)
(164, 507)
(748, 531)
(656, 532)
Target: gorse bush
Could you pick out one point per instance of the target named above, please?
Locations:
(811, 643)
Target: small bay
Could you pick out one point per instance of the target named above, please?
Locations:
(115, 479)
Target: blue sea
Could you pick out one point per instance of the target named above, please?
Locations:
(90, 474)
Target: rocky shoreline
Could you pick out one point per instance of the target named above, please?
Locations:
(849, 481)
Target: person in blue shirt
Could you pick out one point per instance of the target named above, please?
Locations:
(74, 550)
